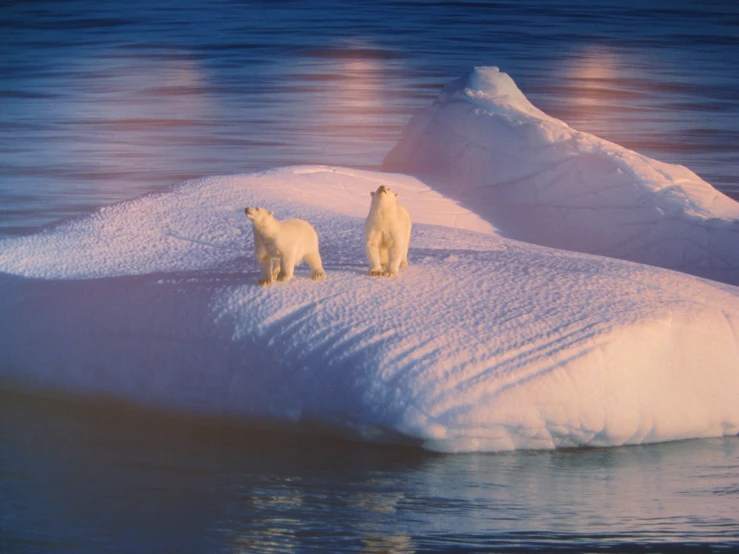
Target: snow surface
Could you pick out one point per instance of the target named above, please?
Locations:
(482, 344)
(536, 179)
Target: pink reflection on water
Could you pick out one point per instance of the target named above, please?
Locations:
(125, 118)
(346, 108)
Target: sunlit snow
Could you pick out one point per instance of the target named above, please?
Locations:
(482, 344)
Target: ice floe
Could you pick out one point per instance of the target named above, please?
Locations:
(483, 344)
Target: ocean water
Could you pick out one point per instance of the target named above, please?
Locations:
(107, 100)
(97, 478)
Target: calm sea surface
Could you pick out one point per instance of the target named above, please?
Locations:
(101, 478)
(102, 101)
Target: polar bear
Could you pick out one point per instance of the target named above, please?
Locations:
(288, 242)
(387, 233)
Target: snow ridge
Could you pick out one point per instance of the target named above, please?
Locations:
(482, 344)
(483, 144)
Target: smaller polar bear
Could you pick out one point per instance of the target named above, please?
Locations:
(288, 242)
(387, 233)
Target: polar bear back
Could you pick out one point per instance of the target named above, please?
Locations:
(297, 235)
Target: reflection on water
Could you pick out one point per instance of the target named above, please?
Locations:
(105, 101)
(102, 477)
(633, 100)
(127, 117)
(593, 79)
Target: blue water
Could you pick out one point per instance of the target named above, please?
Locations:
(102, 478)
(106, 100)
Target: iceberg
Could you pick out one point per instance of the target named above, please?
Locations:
(483, 343)
(536, 179)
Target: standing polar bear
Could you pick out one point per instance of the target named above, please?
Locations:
(387, 233)
(288, 242)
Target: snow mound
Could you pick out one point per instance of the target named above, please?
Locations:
(482, 344)
(201, 224)
(536, 179)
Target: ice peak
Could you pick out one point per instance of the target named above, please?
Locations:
(492, 90)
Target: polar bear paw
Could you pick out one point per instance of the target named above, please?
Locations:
(318, 275)
(388, 273)
(375, 273)
(264, 282)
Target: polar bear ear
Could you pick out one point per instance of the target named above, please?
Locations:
(397, 194)
(270, 213)
(372, 194)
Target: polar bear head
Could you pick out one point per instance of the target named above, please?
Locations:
(383, 197)
(260, 217)
(258, 214)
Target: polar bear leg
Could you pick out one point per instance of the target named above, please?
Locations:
(265, 267)
(373, 256)
(314, 261)
(393, 262)
(404, 257)
(287, 267)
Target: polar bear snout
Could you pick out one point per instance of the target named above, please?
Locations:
(257, 213)
(381, 192)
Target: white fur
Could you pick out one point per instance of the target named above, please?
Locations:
(387, 233)
(287, 243)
